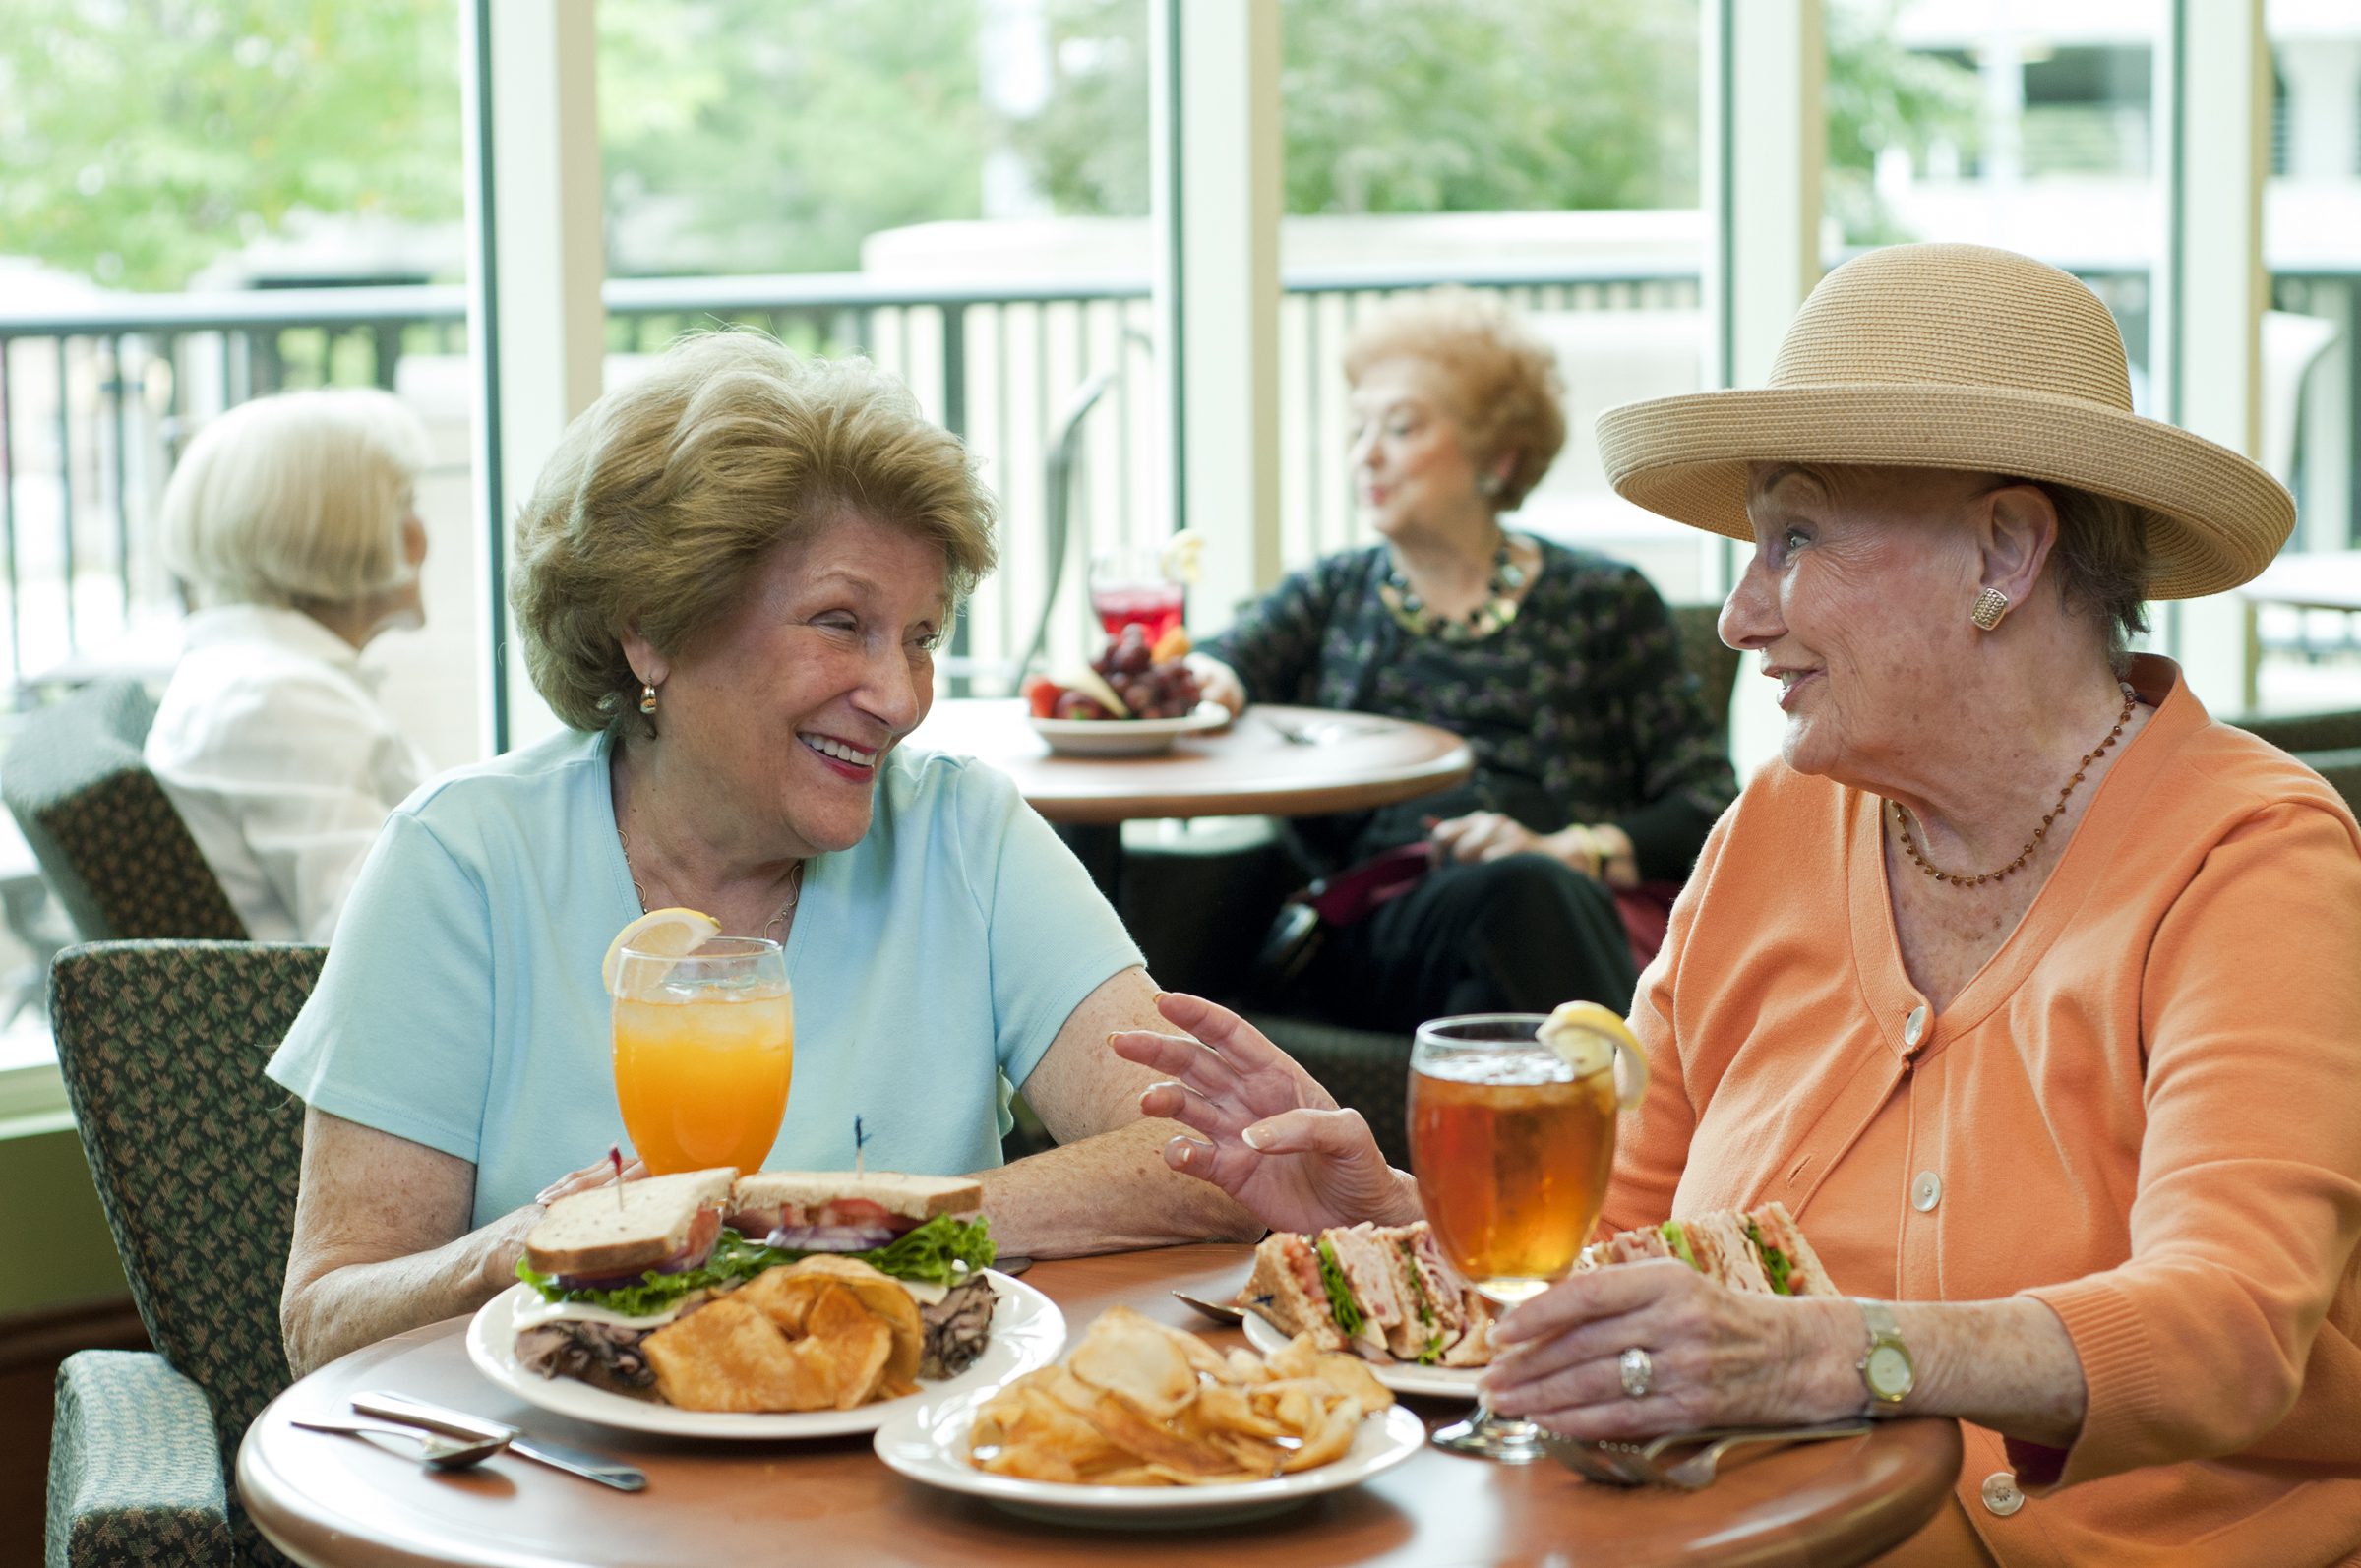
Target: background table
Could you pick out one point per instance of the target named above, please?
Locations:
(326, 1499)
(1336, 763)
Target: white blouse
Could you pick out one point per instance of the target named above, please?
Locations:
(272, 743)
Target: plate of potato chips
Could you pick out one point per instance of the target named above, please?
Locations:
(1027, 1332)
(1147, 1426)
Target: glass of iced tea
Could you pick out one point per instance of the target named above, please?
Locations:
(1511, 1144)
(705, 1049)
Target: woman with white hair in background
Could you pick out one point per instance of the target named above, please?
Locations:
(291, 524)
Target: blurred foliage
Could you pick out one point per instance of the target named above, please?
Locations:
(1879, 95)
(1408, 106)
(141, 139)
(747, 136)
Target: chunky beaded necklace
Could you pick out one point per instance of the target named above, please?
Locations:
(1497, 610)
(1901, 818)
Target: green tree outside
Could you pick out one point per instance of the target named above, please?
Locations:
(141, 140)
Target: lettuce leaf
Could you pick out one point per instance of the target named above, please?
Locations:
(1433, 1351)
(937, 1252)
(1678, 1240)
(1774, 1262)
(1341, 1304)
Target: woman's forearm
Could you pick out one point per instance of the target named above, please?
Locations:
(336, 1309)
(2005, 1365)
(1105, 1195)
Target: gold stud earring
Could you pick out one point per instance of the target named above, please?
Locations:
(1990, 606)
(647, 698)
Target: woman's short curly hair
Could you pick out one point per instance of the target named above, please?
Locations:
(664, 497)
(1504, 382)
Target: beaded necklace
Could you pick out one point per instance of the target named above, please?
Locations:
(1497, 610)
(1901, 818)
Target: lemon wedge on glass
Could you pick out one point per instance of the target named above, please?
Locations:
(1588, 1037)
(666, 933)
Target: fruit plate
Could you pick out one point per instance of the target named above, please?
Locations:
(1027, 1331)
(1127, 737)
(1403, 1377)
(928, 1442)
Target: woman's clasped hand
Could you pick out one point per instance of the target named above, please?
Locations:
(1715, 1356)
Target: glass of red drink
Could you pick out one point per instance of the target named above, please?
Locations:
(1129, 585)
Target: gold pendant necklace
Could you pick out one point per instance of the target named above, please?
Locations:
(1901, 818)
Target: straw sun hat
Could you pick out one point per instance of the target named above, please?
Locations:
(1956, 356)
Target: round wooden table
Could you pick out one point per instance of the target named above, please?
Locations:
(325, 1499)
(1275, 762)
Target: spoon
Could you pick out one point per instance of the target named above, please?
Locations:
(1212, 1310)
(442, 1453)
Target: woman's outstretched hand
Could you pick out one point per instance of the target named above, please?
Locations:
(1271, 1137)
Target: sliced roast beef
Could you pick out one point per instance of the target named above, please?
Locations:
(957, 1329)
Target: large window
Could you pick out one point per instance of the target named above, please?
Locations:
(191, 199)
(2013, 123)
(1545, 150)
(957, 188)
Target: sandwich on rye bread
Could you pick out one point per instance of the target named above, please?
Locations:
(1383, 1291)
(617, 1263)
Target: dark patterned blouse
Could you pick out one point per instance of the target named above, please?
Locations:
(1580, 711)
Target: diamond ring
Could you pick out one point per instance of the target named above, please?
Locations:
(1636, 1370)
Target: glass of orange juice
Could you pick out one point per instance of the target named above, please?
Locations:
(704, 1050)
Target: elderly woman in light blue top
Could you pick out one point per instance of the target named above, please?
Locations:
(730, 583)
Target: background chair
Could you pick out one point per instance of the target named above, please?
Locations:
(114, 848)
(195, 1154)
(2329, 744)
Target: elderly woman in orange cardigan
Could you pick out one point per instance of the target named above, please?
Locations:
(2033, 992)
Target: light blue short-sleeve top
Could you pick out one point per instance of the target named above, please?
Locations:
(932, 963)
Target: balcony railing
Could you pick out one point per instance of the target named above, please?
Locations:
(96, 401)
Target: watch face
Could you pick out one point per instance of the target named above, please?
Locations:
(1889, 1372)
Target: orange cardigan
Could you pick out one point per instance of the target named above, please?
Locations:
(2144, 1112)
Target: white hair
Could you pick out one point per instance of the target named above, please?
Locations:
(296, 499)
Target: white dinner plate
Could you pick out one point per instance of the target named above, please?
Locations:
(1127, 737)
(1027, 1331)
(1403, 1377)
(927, 1441)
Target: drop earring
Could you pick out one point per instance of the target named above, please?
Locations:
(647, 698)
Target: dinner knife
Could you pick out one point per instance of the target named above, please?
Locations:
(458, 1424)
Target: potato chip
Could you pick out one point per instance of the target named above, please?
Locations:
(1140, 1404)
(1125, 1353)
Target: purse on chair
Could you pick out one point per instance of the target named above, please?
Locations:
(1335, 901)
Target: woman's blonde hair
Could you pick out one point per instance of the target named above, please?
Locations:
(296, 499)
(665, 495)
(1504, 384)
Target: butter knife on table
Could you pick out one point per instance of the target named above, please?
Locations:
(458, 1424)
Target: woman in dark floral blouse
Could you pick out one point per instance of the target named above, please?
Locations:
(1598, 772)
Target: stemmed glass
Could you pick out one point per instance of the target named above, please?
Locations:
(1133, 586)
(1512, 1146)
(704, 1050)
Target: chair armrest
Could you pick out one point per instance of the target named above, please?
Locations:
(135, 1469)
(1367, 1073)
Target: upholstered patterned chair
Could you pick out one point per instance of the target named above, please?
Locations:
(195, 1154)
(112, 845)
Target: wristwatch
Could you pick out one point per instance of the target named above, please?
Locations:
(1885, 1368)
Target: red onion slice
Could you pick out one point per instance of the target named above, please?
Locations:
(831, 1238)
